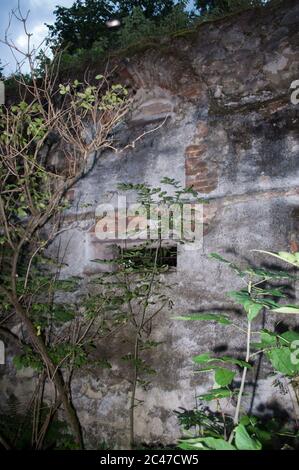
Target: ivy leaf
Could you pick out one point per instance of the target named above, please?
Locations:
(244, 441)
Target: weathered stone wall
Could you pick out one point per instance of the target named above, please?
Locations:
(231, 132)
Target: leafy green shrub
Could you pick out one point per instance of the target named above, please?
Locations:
(178, 19)
(84, 23)
(136, 28)
(246, 432)
(140, 22)
(83, 58)
(220, 7)
(17, 425)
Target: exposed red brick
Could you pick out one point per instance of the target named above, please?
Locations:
(194, 166)
(196, 163)
(193, 151)
(202, 188)
(195, 174)
(202, 177)
(213, 174)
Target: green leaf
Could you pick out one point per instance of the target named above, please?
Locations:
(240, 296)
(245, 420)
(237, 362)
(252, 309)
(229, 263)
(21, 212)
(202, 358)
(218, 444)
(268, 274)
(219, 258)
(192, 444)
(244, 441)
(271, 292)
(293, 309)
(62, 314)
(207, 369)
(290, 336)
(222, 319)
(206, 443)
(215, 394)
(268, 338)
(27, 359)
(223, 376)
(291, 258)
(207, 358)
(281, 360)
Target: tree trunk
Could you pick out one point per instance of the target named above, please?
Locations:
(56, 376)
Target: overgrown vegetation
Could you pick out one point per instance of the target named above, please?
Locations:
(220, 431)
(32, 194)
(57, 338)
(139, 287)
(82, 34)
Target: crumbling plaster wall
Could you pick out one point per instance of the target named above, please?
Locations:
(231, 132)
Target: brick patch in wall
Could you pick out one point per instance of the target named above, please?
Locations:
(194, 151)
(200, 172)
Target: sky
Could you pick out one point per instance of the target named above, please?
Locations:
(41, 12)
